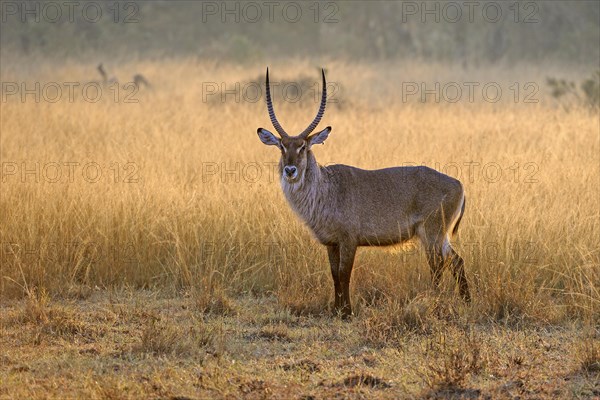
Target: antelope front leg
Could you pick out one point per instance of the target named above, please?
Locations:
(347, 253)
(333, 252)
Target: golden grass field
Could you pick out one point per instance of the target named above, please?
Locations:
(148, 252)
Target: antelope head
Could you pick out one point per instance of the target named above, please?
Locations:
(295, 150)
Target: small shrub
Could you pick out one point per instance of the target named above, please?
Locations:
(454, 359)
(588, 354)
(50, 319)
(160, 337)
(37, 307)
(211, 298)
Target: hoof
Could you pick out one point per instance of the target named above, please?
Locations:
(345, 313)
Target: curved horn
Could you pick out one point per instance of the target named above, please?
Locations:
(274, 121)
(321, 111)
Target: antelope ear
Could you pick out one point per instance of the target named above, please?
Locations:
(267, 137)
(319, 138)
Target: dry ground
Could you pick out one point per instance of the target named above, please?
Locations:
(147, 250)
(140, 344)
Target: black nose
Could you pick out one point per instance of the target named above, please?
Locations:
(290, 170)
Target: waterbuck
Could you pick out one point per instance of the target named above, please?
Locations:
(346, 207)
(105, 79)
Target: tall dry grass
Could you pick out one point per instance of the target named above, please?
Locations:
(179, 205)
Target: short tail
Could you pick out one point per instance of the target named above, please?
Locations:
(462, 211)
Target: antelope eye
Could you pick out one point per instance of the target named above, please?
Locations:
(301, 149)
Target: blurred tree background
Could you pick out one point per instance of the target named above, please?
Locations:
(471, 33)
